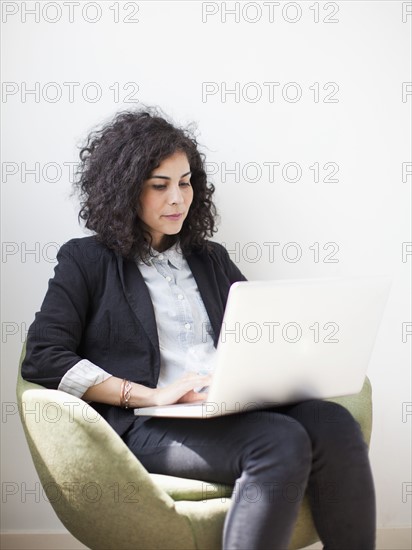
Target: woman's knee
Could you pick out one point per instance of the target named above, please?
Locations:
(329, 422)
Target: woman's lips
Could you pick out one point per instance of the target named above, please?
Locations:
(174, 217)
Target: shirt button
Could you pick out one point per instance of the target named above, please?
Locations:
(187, 325)
(168, 279)
(160, 256)
(180, 296)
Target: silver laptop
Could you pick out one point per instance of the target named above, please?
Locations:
(289, 340)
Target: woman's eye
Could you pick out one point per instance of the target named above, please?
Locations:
(185, 183)
(159, 186)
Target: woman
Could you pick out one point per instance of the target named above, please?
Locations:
(127, 308)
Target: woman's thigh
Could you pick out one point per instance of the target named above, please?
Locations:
(216, 449)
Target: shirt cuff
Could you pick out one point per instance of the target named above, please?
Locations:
(82, 376)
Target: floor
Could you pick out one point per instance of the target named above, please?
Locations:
(388, 539)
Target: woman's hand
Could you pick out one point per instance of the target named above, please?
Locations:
(181, 391)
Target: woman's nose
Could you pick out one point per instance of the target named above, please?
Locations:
(175, 195)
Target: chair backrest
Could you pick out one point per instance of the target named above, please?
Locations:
(97, 487)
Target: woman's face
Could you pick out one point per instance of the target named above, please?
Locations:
(166, 198)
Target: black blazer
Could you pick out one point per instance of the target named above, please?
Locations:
(98, 307)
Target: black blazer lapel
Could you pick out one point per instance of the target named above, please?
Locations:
(205, 277)
(138, 296)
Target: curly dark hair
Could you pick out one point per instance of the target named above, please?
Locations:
(115, 162)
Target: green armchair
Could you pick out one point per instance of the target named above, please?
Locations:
(108, 500)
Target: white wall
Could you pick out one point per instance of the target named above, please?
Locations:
(359, 60)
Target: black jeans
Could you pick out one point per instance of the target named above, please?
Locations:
(272, 457)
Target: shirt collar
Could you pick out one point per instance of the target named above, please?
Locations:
(173, 254)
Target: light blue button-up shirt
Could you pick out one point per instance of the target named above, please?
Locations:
(184, 330)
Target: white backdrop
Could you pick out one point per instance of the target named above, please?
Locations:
(303, 110)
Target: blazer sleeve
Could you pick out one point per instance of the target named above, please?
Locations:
(54, 336)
